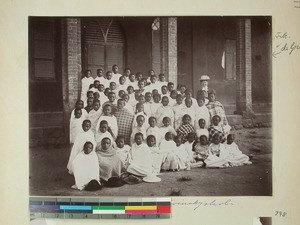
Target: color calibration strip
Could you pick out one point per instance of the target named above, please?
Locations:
(100, 208)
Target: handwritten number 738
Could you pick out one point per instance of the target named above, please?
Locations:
(280, 213)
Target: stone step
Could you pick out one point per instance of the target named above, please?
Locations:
(260, 120)
(50, 136)
(45, 119)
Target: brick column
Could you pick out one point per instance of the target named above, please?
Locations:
(71, 61)
(168, 48)
(244, 72)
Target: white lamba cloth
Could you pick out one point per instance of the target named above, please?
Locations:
(80, 140)
(140, 163)
(85, 168)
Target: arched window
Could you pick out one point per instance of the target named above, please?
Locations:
(156, 45)
(104, 44)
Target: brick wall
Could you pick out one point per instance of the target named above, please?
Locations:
(164, 46)
(168, 48)
(248, 66)
(244, 64)
(72, 73)
(172, 49)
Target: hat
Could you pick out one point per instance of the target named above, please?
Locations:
(151, 178)
(131, 179)
(93, 185)
(204, 77)
(114, 182)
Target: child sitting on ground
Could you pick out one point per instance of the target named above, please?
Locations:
(85, 167)
(139, 128)
(122, 150)
(85, 135)
(202, 130)
(189, 144)
(167, 147)
(140, 162)
(154, 130)
(217, 153)
(182, 155)
(109, 163)
(216, 128)
(185, 128)
(200, 148)
(111, 120)
(235, 156)
(156, 155)
(76, 124)
(167, 127)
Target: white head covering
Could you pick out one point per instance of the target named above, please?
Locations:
(204, 77)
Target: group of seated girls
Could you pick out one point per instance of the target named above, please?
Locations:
(169, 131)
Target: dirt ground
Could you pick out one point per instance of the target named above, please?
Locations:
(48, 174)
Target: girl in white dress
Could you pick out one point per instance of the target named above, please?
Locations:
(156, 154)
(217, 153)
(235, 156)
(85, 167)
(122, 150)
(140, 162)
(82, 137)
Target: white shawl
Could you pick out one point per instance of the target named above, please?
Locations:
(85, 168)
(80, 140)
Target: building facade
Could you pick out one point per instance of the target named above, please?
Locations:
(234, 51)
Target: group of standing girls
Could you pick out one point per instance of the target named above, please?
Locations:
(142, 126)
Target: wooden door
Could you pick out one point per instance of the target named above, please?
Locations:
(103, 43)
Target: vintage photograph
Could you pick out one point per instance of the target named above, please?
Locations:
(150, 106)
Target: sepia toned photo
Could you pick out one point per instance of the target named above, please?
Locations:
(150, 106)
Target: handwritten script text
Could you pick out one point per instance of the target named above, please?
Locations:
(284, 44)
(198, 203)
